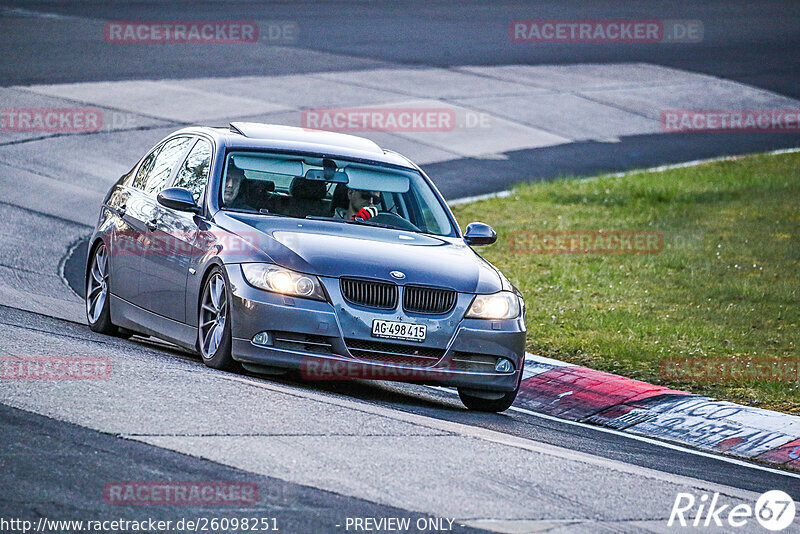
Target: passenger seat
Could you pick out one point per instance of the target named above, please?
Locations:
(258, 193)
(306, 198)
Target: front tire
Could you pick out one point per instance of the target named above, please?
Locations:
(98, 297)
(214, 325)
(481, 404)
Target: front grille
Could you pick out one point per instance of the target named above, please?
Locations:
(428, 299)
(467, 361)
(368, 293)
(377, 351)
(301, 342)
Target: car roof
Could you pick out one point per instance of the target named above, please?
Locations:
(254, 135)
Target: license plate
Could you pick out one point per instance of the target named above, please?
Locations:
(395, 330)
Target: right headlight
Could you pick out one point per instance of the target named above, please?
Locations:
(281, 280)
(501, 305)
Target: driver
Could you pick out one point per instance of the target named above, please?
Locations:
(233, 183)
(362, 204)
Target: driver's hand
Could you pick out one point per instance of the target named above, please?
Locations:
(366, 213)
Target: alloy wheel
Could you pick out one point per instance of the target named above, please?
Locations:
(97, 285)
(213, 315)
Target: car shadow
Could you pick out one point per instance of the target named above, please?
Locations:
(398, 394)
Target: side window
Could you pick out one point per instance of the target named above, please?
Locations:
(145, 169)
(158, 178)
(193, 173)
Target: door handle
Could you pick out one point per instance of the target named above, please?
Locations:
(152, 224)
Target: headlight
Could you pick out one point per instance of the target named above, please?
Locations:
(280, 280)
(502, 305)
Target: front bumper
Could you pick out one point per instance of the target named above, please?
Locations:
(333, 325)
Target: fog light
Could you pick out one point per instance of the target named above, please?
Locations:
(262, 338)
(503, 366)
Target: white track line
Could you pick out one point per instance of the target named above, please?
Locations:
(645, 439)
(661, 168)
(476, 198)
(494, 436)
(21, 12)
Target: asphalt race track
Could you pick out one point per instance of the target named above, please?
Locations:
(322, 453)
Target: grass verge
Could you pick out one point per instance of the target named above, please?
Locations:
(725, 287)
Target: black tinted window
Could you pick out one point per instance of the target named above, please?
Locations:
(193, 173)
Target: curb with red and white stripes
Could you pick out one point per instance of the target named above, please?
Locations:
(595, 397)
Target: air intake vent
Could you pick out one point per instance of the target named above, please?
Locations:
(304, 342)
(428, 299)
(394, 353)
(370, 294)
(465, 361)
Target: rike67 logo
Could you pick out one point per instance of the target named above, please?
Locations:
(774, 510)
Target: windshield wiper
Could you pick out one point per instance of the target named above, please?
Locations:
(331, 219)
(264, 211)
(249, 211)
(359, 222)
(383, 225)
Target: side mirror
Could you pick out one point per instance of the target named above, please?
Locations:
(480, 234)
(178, 198)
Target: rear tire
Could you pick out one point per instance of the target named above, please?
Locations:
(98, 297)
(214, 325)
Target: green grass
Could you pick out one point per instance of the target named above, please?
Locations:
(726, 285)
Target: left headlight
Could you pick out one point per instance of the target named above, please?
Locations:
(281, 280)
(501, 305)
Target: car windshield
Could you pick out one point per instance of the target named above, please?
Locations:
(338, 190)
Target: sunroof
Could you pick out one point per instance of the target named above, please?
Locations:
(255, 130)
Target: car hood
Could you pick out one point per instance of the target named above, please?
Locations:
(337, 249)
